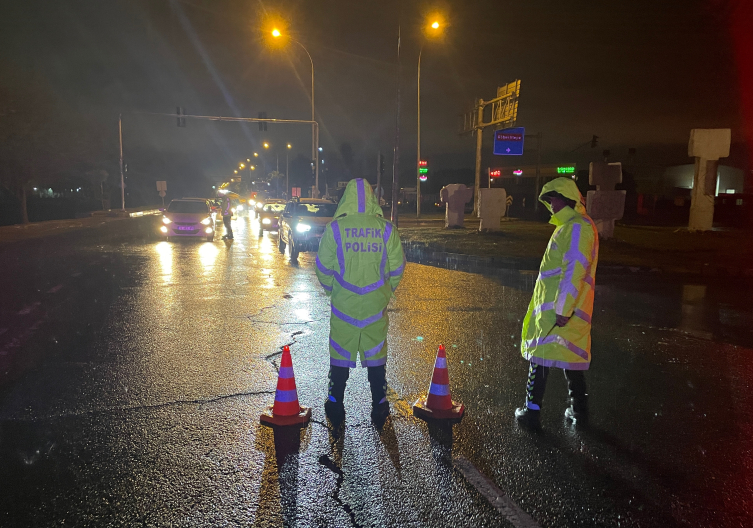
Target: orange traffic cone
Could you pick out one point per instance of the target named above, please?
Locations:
(286, 410)
(438, 404)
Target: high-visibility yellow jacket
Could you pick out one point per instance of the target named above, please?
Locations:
(565, 286)
(360, 262)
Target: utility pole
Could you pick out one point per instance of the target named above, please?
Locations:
(122, 178)
(396, 158)
(379, 179)
(479, 143)
(538, 172)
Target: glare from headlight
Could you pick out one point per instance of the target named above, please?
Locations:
(303, 228)
(240, 208)
(166, 220)
(266, 221)
(208, 230)
(251, 203)
(163, 229)
(206, 221)
(232, 209)
(259, 205)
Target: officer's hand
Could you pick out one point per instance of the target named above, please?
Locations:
(561, 320)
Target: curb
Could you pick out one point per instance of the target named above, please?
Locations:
(510, 268)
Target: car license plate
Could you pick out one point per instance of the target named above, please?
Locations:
(186, 228)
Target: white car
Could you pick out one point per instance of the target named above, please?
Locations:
(187, 218)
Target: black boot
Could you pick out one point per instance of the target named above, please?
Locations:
(528, 416)
(380, 408)
(576, 385)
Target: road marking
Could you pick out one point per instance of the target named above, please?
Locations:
(55, 289)
(27, 310)
(496, 497)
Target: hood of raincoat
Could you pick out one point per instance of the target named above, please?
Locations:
(358, 198)
(567, 188)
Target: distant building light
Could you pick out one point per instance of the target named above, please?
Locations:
(422, 163)
(35, 188)
(496, 173)
(423, 170)
(517, 172)
(565, 170)
(729, 191)
(423, 177)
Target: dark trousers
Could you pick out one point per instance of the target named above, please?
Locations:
(228, 227)
(576, 386)
(338, 377)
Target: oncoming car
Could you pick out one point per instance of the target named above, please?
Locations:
(187, 218)
(269, 215)
(302, 224)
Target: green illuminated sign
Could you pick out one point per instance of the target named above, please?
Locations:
(423, 170)
(565, 170)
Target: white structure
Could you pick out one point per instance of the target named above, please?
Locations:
(492, 207)
(605, 205)
(455, 196)
(707, 145)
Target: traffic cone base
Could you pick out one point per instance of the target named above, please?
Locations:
(420, 410)
(301, 419)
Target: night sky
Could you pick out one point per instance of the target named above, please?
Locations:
(638, 73)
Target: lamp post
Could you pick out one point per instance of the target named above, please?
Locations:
(276, 33)
(433, 27)
(287, 171)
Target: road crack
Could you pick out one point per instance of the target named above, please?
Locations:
(327, 462)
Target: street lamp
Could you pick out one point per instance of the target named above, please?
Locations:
(314, 130)
(432, 30)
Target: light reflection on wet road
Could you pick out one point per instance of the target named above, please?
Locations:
(147, 372)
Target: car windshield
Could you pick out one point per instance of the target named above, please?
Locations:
(316, 209)
(274, 208)
(187, 207)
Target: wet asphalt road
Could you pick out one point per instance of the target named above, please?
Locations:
(133, 373)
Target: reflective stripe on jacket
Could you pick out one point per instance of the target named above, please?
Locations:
(565, 286)
(360, 262)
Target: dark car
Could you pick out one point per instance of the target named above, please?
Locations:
(269, 215)
(302, 224)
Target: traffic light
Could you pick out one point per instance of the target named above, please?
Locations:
(594, 141)
(181, 112)
(262, 124)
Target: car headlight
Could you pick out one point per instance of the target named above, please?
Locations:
(303, 228)
(259, 205)
(206, 221)
(240, 208)
(208, 230)
(251, 203)
(266, 221)
(232, 209)
(166, 220)
(163, 229)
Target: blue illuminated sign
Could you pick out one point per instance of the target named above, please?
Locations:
(509, 141)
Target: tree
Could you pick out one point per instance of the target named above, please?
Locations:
(39, 137)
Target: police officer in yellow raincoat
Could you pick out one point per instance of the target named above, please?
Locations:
(557, 327)
(360, 263)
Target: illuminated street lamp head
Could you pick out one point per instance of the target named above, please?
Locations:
(235, 171)
(242, 166)
(276, 33)
(435, 25)
(247, 160)
(266, 145)
(256, 154)
(290, 146)
(253, 167)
